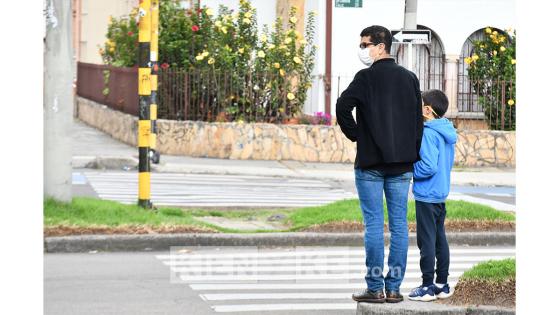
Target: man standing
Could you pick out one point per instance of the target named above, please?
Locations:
(388, 132)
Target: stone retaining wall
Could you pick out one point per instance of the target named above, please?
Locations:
(261, 141)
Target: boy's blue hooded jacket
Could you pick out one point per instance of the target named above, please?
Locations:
(432, 173)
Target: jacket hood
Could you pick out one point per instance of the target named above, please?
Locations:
(444, 127)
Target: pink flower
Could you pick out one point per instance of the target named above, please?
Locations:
(195, 28)
(130, 33)
(165, 66)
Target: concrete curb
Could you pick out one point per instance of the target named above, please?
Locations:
(162, 242)
(410, 307)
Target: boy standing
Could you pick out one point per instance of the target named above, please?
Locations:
(431, 188)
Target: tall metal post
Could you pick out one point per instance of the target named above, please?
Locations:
(144, 93)
(154, 79)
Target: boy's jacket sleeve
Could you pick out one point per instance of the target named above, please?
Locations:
(429, 154)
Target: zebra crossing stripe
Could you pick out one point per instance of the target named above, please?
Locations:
(295, 267)
(296, 276)
(262, 262)
(331, 285)
(283, 307)
(312, 253)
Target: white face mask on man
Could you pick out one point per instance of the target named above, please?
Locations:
(365, 58)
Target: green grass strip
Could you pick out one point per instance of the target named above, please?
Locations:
(492, 270)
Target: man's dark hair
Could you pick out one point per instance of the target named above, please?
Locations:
(379, 34)
(437, 99)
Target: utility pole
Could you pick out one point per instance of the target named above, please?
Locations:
(154, 79)
(144, 93)
(58, 101)
(410, 10)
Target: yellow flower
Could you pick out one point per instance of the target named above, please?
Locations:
(482, 46)
(282, 72)
(288, 40)
(511, 102)
(287, 54)
(218, 23)
(241, 50)
(475, 57)
(488, 30)
(111, 49)
(282, 46)
(495, 33)
(502, 49)
(224, 29)
(276, 65)
(205, 53)
(209, 12)
(227, 48)
(271, 46)
(298, 34)
(291, 96)
(199, 57)
(468, 60)
(263, 38)
(248, 15)
(502, 38)
(261, 54)
(246, 21)
(293, 19)
(513, 61)
(211, 61)
(494, 53)
(297, 60)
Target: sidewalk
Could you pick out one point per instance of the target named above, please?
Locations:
(93, 148)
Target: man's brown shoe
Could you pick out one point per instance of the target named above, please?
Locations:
(369, 296)
(393, 297)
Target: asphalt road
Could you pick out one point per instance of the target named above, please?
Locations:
(235, 280)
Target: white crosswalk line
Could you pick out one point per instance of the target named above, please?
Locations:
(254, 274)
(331, 285)
(284, 307)
(295, 276)
(295, 267)
(217, 190)
(312, 253)
(358, 260)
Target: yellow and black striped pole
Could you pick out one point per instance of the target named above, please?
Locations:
(154, 80)
(144, 93)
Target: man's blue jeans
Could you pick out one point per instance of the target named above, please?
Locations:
(370, 185)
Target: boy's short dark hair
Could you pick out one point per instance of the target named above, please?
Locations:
(437, 100)
(379, 34)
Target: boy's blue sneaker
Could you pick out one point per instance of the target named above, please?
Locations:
(443, 293)
(424, 294)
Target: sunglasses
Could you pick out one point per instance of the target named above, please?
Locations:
(364, 45)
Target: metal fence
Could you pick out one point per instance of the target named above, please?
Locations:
(260, 97)
(205, 95)
(113, 86)
(495, 98)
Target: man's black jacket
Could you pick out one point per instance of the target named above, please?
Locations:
(389, 116)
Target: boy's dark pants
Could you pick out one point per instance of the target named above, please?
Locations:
(430, 236)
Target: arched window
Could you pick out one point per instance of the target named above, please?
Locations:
(429, 61)
(467, 100)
